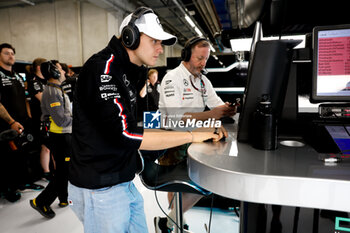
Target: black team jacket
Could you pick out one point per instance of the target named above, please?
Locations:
(105, 137)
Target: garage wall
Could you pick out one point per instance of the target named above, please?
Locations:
(66, 30)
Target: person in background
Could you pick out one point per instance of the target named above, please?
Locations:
(186, 92)
(14, 114)
(35, 88)
(55, 108)
(69, 84)
(106, 138)
(150, 91)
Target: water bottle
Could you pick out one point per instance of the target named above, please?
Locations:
(264, 126)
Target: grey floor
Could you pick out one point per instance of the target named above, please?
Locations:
(19, 217)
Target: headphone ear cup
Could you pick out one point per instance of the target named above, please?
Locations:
(54, 72)
(186, 54)
(130, 37)
(183, 55)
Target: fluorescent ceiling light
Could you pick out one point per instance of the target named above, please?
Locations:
(241, 44)
(212, 48)
(198, 31)
(189, 20)
(245, 44)
(293, 37)
(28, 2)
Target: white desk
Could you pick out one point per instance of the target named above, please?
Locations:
(290, 176)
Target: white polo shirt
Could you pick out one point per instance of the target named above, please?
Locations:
(180, 92)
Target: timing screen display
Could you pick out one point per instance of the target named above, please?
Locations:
(333, 64)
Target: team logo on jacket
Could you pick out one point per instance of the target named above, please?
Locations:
(185, 82)
(151, 120)
(125, 80)
(105, 78)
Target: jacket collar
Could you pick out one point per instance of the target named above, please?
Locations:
(134, 72)
(6, 72)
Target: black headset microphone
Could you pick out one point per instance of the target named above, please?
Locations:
(204, 71)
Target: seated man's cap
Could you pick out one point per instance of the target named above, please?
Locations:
(150, 25)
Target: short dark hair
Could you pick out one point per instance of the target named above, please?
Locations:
(37, 62)
(6, 45)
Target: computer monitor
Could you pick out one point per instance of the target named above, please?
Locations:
(331, 64)
(268, 74)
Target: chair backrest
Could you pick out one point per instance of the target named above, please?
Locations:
(172, 178)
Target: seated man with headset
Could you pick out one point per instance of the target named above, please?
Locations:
(184, 94)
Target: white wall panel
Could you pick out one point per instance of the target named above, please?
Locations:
(5, 32)
(67, 30)
(94, 29)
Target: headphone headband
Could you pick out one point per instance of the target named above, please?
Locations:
(186, 51)
(138, 13)
(130, 34)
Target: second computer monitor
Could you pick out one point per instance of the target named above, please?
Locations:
(268, 74)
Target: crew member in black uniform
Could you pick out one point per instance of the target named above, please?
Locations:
(68, 85)
(14, 114)
(105, 137)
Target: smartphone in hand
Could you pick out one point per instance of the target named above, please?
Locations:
(236, 103)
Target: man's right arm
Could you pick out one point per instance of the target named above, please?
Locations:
(143, 91)
(6, 117)
(38, 96)
(155, 139)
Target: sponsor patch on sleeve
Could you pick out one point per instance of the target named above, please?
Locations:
(55, 104)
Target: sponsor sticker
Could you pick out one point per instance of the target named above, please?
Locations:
(55, 104)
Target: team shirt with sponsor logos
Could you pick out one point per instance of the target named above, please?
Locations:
(180, 92)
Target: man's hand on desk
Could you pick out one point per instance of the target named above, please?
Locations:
(214, 134)
(222, 132)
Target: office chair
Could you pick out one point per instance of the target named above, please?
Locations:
(172, 178)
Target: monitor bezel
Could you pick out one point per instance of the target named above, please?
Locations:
(323, 98)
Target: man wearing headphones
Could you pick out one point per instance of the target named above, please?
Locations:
(55, 108)
(106, 137)
(184, 94)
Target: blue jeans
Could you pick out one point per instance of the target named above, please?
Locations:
(114, 209)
